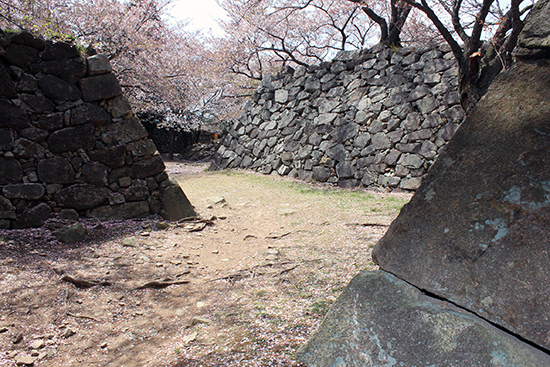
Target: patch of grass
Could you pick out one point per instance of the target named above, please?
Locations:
(320, 308)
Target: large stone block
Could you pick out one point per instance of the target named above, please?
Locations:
(147, 167)
(380, 320)
(10, 171)
(81, 197)
(56, 170)
(88, 112)
(58, 89)
(12, 117)
(112, 157)
(99, 87)
(7, 87)
(175, 204)
(21, 55)
(477, 230)
(7, 210)
(72, 139)
(30, 191)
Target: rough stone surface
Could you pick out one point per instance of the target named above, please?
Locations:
(99, 87)
(80, 197)
(67, 135)
(476, 232)
(72, 233)
(380, 320)
(387, 106)
(56, 170)
(34, 217)
(30, 191)
(176, 204)
(72, 138)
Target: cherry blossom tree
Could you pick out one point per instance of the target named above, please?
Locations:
(481, 33)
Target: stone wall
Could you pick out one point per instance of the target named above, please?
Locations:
(374, 118)
(70, 143)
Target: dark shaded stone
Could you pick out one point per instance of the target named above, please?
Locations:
(7, 86)
(112, 157)
(136, 193)
(59, 50)
(99, 87)
(345, 132)
(72, 233)
(24, 148)
(476, 231)
(72, 138)
(58, 89)
(535, 35)
(28, 39)
(321, 174)
(81, 197)
(56, 170)
(69, 214)
(88, 112)
(7, 210)
(34, 134)
(10, 171)
(147, 167)
(53, 121)
(95, 173)
(34, 217)
(135, 209)
(6, 139)
(38, 103)
(344, 170)
(338, 153)
(124, 132)
(380, 320)
(21, 55)
(70, 70)
(12, 116)
(175, 204)
(27, 191)
(142, 148)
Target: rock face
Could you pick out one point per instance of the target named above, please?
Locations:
(380, 320)
(475, 234)
(68, 138)
(374, 118)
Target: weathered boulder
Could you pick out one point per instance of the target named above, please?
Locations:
(380, 320)
(476, 232)
(88, 112)
(7, 210)
(72, 233)
(112, 157)
(175, 204)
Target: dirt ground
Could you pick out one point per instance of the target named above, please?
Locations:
(244, 286)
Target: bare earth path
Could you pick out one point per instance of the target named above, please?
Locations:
(245, 286)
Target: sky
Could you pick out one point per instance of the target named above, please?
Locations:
(201, 13)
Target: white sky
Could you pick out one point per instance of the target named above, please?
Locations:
(202, 14)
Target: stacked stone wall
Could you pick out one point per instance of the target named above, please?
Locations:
(69, 141)
(375, 118)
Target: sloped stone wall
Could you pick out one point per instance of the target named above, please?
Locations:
(374, 118)
(70, 143)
